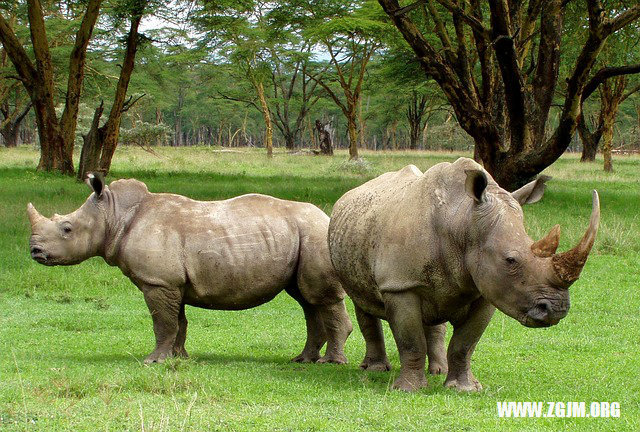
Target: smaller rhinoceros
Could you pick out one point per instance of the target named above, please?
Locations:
(230, 255)
(447, 245)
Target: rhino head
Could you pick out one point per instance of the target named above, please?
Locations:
(525, 279)
(73, 238)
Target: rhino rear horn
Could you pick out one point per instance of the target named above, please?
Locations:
(547, 246)
(569, 264)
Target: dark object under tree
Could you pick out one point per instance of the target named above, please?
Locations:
(324, 137)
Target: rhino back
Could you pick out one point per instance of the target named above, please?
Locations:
(401, 230)
(231, 254)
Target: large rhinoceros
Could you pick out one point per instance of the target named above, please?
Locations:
(233, 254)
(448, 245)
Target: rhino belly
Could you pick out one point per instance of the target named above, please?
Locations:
(242, 269)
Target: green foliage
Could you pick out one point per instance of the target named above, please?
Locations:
(145, 134)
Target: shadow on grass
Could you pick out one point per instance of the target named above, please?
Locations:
(333, 376)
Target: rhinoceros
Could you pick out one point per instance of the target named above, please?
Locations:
(448, 245)
(230, 255)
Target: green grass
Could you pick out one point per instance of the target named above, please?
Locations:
(72, 339)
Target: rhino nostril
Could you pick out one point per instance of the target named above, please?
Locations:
(540, 311)
(35, 250)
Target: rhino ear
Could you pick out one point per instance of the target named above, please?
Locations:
(531, 192)
(96, 183)
(476, 184)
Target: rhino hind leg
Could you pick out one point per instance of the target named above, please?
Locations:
(316, 333)
(404, 314)
(466, 333)
(375, 358)
(165, 309)
(338, 328)
(181, 337)
(436, 352)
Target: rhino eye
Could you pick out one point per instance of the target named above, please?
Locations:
(511, 260)
(66, 229)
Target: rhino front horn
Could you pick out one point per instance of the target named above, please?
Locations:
(34, 216)
(569, 264)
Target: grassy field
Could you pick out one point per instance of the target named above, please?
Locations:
(72, 339)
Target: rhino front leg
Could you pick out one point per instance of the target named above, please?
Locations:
(404, 314)
(436, 352)
(466, 333)
(164, 306)
(338, 327)
(375, 358)
(181, 337)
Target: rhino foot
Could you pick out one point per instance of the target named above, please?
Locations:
(375, 365)
(333, 358)
(157, 357)
(467, 385)
(180, 352)
(437, 368)
(410, 383)
(304, 357)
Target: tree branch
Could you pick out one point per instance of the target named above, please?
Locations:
(606, 73)
(472, 21)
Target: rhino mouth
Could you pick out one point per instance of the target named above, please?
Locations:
(38, 254)
(544, 313)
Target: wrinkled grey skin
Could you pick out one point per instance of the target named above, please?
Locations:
(233, 254)
(448, 245)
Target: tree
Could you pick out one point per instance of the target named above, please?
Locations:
(610, 99)
(101, 141)
(240, 32)
(351, 33)
(612, 92)
(294, 90)
(13, 108)
(57, 135)
(500, 72)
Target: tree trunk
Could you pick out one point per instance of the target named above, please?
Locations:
(289, 140)
(10, 134)
(415, 114)
(607, 138)
(266, 114)
(589, 140)
(352, 128)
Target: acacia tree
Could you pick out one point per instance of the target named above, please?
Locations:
(14, 107)
(351, 33)
(294, 91)
(611, 96)
(14, 104)
(101, 141)
(612, 93)
(499, 71)
(57, 135)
